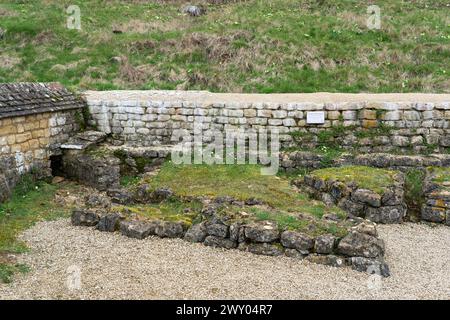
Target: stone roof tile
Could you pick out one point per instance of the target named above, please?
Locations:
(20, 99)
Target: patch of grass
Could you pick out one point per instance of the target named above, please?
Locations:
(171, 209)
(31, 201)
(7, 271)
(241, 182)
(329, 155)
(414, 197)
(239, 46)
(127, 181)
(374, 179)
(441, 175)
(287, 221)
(238, 181)
(25, 209)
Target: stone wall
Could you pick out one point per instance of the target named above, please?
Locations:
(437, 196)
(386, 207)
(290, 161)
(361, 248)
(27, 142)
(414, 122)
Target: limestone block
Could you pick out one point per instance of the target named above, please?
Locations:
(349, 115)
(287, 122)
(279, 114)
(411, 115)
(265, 113)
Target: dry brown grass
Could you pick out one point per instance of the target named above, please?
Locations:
(7, 13)
(143, 27)
(130, 75)
(9, 61)
(43, 37)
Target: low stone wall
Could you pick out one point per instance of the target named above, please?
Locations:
(386, 207)
(294, 160)
(361, 249)
(386, 122)
(437, 196)
(27, 142)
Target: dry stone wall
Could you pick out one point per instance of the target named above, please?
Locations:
(386, 207)
(414, 122)
(291, 161)
(436, 189)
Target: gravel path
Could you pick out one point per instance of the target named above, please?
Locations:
(116, 267)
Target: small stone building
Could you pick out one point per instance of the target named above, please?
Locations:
(35, 118)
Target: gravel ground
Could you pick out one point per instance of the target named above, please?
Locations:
(116, 267)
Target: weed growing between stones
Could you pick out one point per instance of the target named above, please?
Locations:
(414, 196)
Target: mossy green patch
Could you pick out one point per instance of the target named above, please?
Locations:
(241, 182)
(313, 227)
(441, 176)
(7, 271)
(282, 203)
(172, 209)
(128, 181)
(98, 152)
(375, 179)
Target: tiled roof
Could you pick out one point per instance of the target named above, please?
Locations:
(20, 99)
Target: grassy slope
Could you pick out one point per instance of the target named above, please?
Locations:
(251, 46)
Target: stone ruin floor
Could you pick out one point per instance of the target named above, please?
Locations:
(174, 214)
(337, 229)
(343, 234)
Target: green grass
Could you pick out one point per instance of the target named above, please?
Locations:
(441, 177)
(243, 182)
(414, 196)
(127, 181)
(287, 221)
(442, 174)
(31, 202)
(22, 211)
(171, 209)
(374, 179)
(7, 271)
(242, 46)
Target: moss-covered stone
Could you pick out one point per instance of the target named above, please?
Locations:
(374, 179)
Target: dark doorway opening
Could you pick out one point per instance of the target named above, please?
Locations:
(56, 164)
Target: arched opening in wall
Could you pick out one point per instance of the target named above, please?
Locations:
(56, 164)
